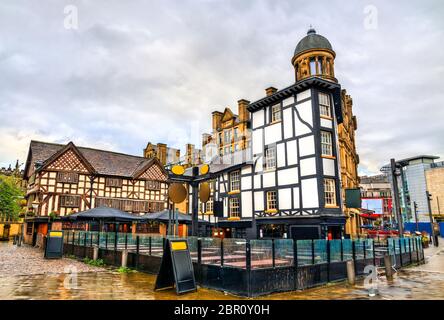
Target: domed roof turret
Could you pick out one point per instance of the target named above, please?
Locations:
(312, 41)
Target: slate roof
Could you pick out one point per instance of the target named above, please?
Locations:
(104, 162)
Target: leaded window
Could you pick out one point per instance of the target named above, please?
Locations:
(234, 207)
(330, 192)
(235, 181)
(324, 105)
(270, 157)
(67, 177)
(326, 143)
(276, 112)
(271, 200)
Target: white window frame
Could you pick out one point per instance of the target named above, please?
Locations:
(271, 200)
(324, 104)
(270, 157)
(276, 113)
(235, 180)
(326, 143)
(330, 192)
(234, 204)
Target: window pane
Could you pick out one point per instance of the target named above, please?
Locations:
(324, 104)
(326, 143)
(329, 192)
(270, 157)
(271, 200)
(234, 181)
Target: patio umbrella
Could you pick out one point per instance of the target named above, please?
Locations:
(103, 214)
(164, 216)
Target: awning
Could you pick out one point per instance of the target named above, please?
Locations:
(164, 216)
(234, 224)
(371, 216)
(103, 214)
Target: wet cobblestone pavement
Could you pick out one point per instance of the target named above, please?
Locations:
(419, 282)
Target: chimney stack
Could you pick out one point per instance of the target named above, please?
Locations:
(269, 91)
(243, 113)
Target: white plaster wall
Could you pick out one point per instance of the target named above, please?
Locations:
(257, 181)
(308, 166)
(288, 123)
(246, 170)
(300, 128)
(246, 183)
(292, 152)
(259, 201)
(306, 146)
(288, 101)
(285, 199)
(258, 118)
(259, 165)
(257, 141)
(269, 179)
(303, 95)
(280, 154)
(288, 176)
(326, 123)
(306, 112)
(310, 193)
(273, 133)
(328, 166)
(225, 207)
(247, 210)
(296, 204)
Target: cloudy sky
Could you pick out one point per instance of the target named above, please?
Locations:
(134, 71)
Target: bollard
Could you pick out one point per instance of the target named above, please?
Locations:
(124, 258)
(351, 276)
(388, 267)
(95, 253)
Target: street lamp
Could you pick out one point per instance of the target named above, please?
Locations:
(396, 172)
(432, 231)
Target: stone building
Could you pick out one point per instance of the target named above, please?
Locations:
(163, 153)
(435, 186)
(349, 161)
(376, 195)
(230, 131)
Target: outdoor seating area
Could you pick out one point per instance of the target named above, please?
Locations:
(240, 266)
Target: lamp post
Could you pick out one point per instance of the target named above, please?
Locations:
(415, 208)
(395, 173)
(432, 231)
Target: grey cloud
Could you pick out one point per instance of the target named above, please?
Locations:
(153, 71)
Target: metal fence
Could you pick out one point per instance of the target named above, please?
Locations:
(251, 267)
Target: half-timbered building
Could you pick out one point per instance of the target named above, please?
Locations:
(63, 179)
(288, 183)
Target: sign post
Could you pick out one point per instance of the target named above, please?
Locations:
(176, 268)
(54, 245)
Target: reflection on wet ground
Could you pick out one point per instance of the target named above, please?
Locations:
(408, 284)
(420, 282)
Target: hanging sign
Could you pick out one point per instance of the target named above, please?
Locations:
(176, 268)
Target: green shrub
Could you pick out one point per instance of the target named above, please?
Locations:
(124, 270)
(95, 263)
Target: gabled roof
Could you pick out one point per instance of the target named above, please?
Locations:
(228, 115)
(100, 161)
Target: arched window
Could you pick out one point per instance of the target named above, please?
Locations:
(312, 66)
